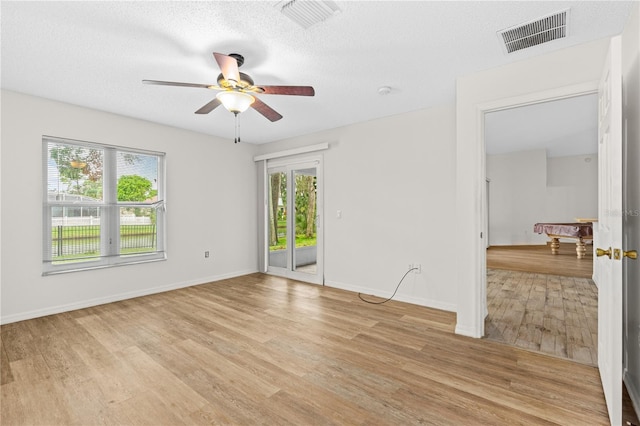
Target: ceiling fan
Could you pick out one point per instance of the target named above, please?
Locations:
(237, 90)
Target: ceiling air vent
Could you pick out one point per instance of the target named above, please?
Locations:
(533, 33)
(307, 12)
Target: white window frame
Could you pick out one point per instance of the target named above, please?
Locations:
(109, 211)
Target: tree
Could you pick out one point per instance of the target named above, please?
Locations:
(72, 165)
(135, 188)
(305, 201)
(310, 182)
(92, 189)
(80, 168)
(273, 213)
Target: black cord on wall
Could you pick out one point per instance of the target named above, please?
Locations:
(394, 292)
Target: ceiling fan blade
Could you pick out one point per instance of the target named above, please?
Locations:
(206, 109)
(288, 90)
(264, 109)
(228, 66)
(173, 83)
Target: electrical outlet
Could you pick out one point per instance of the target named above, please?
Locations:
(206, 254)
(418, 268)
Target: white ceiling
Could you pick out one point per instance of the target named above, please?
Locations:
(563, 127)
(96, 54)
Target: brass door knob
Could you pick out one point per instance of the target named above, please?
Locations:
(631, 254)
(600, 252)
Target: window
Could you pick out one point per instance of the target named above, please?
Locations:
(103, 205)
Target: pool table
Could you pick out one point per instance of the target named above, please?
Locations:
(581, 231)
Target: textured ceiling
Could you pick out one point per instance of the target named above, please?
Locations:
(96, 54)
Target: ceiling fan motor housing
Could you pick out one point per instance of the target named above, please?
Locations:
(238, 57)
(245, 81)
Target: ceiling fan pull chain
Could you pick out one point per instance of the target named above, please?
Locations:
(237, 138)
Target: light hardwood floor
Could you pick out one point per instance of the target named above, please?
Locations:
(264, 350)
(516, 273)
(543, 302)
(552, 314)
(539, 259)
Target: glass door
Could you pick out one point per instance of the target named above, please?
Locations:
(294, 206)
(278, 240)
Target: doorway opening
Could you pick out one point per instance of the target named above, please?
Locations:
(541, 166)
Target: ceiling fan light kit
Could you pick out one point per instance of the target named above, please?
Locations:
(235, 102)
(236, 87)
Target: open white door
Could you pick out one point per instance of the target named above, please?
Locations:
(609, 260)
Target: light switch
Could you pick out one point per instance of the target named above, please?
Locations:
(339, 214)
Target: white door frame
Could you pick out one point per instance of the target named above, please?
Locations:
(480, 289)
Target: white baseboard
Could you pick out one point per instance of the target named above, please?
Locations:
(467, 331)
(116, 298)
(429, 303)
(450, 307)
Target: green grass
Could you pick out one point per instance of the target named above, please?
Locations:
(301, 241)
(94, 230)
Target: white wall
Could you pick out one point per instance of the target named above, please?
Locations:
(516, 194)
(631, 289)
(564, 72)
(572, 188)
(394, 181)
(527, 187)
(211, 204)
